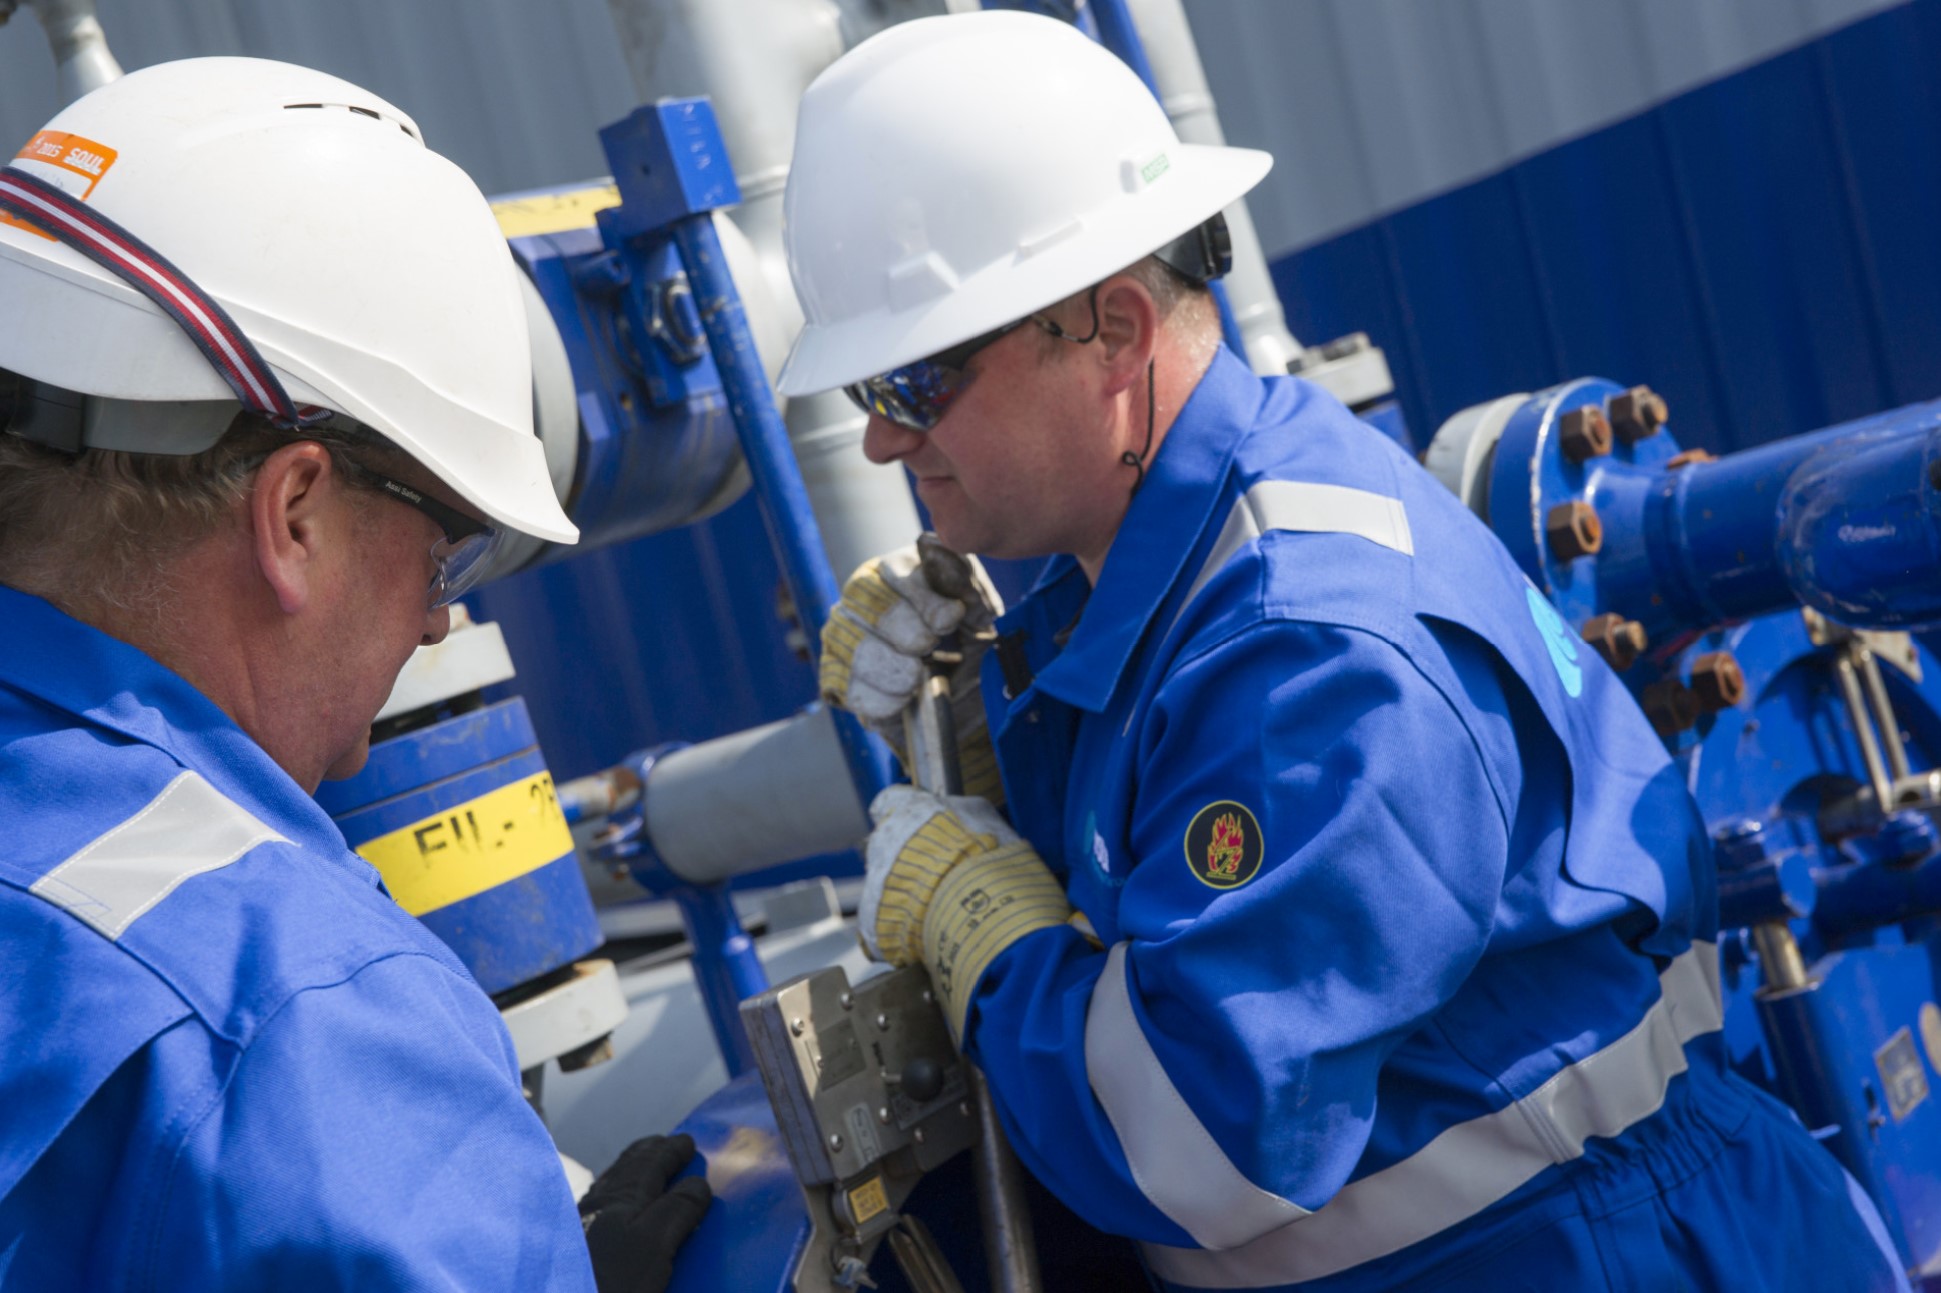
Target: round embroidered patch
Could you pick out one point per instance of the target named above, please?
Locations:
(1223, 845)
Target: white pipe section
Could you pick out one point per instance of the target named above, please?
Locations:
(754, 799)
(81, 56)
(754, 58)
(1181, 80)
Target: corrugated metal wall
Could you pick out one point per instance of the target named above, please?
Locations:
(1762, 250)
(1370, 106)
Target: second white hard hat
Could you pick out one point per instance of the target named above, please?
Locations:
(953, 174)
(367, 269)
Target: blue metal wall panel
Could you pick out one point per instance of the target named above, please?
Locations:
(1761, 250)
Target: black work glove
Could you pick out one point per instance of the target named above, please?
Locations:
(634, 1223)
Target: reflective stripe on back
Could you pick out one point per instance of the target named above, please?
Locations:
(186, 830)
(1309, 508)
(1175, 1161)
(1461, 1172)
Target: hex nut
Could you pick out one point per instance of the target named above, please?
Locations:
(1637, 414)
(1573, 530)
(1670, 705)
(1618, 640)
(1689, 457)
(1584, 433)
(1717, 682)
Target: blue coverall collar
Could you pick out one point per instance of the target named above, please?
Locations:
(1183, 485)
(104, 681)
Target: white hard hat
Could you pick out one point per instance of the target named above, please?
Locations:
(368, 270)
(954, 174)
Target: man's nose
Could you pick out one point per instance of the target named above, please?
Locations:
(437, 624)
(886, 442)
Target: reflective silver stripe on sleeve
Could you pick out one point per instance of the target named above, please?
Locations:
(1175, 1161)
(1473, 1164)
(1309, 508)
(187, 829)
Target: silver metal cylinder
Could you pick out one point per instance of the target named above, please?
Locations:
(754, 799)
(83, 62)
(1181, 81)
(1780, 963)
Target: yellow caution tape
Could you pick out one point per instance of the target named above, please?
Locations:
(554, 212)
(478, 845)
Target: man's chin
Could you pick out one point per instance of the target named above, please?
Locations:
(352, 761)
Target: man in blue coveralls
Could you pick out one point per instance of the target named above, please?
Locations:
(1348, 930)
(264, 411)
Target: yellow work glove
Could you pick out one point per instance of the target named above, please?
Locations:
(949, 883)
(873, 645)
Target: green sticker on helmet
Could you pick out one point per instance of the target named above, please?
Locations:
(1155, 168)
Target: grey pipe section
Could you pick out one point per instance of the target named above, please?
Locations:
(81, 56)
(1181, 79)
(754, 799)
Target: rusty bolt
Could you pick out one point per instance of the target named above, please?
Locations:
(1637, 414)
(1717, 682)
(1689, 456)
(1670, 705)
(1573, 530)
(1618, 640)
(1584, 433)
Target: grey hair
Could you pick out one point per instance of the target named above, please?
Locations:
(100, 530)
(1185, 307)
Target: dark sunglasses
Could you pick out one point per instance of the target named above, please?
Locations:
(918, 394)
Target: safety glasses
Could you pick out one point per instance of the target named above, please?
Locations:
(918, 394)
(459, 559)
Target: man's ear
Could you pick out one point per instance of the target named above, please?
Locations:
(286, 511)
(1128, 331)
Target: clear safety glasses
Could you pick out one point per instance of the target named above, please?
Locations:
(462, 556)
(918, 394)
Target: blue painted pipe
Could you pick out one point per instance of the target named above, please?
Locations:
(1844, 520)
(1779, 889)
(783, 499)
(725, 967)
(1865, 896)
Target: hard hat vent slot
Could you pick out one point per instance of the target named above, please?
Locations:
(372, 113)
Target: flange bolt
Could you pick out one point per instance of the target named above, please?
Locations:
(1637, 414)
(1618, 640)
(1573, 530)
(1584, 433)
(1670, 705)
(1717, 682)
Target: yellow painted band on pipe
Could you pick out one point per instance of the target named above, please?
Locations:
(554, 212)
(473, 846)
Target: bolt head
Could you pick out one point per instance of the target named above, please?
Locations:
(1670, 705)
(1717, 682)
(883, 1115)
(835, 1140)
(1638, 414)
(917, 1135)
(1618, 640)
(1573, 530)
(848, 1000)
(883, 1023)
(1584, 433)
(796, 1027)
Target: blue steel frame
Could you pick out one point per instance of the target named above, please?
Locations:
(672, 169)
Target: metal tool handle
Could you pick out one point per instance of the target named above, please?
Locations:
(930, 733)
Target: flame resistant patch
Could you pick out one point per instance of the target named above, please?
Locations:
(1223, 845)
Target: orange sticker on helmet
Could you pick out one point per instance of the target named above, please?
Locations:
(69, 162)
(1223, 845)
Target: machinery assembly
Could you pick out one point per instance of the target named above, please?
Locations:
(662, 911)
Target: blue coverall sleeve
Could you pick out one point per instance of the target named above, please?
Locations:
(372, 1136)
(1213, 1074)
